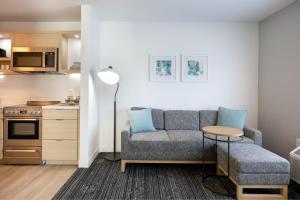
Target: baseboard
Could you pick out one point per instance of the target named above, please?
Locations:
(87, 163)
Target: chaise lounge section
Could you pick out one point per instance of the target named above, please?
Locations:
(253, 167)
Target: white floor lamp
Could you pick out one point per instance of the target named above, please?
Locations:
(110, 77)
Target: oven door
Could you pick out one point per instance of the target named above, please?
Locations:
(22, 132)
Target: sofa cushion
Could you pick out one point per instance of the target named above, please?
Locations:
(157, 116)
(141, 120)
(184, 135)
(181, 120)
(150, 136)
(252, 159)
(208, 118)
(232, 118)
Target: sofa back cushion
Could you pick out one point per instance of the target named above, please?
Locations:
(232, 118)
(208, 118)
(181, 120)
(157, 117)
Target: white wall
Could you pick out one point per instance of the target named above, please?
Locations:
(279, 70)
(89, 122)
(74, 51)
(233, 69)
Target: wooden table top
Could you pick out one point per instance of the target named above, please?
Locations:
(223, 131)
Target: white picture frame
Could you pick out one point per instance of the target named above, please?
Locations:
(194, 68)
(162, 68)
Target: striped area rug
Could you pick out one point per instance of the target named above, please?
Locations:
(103, 180)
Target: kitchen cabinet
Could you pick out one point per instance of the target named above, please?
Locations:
(1, 134)
(60, 136)
(68, 43)
(37, 39)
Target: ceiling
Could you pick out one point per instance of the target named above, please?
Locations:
(142, 10)
(40, 10)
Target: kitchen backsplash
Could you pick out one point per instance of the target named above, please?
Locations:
(17, 89)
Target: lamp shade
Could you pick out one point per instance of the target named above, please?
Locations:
(109, 76)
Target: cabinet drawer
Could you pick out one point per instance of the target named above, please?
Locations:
(1, 129)
(59, 114)
(31, 152)
(59, 150)
(1, 149)
(60, 129)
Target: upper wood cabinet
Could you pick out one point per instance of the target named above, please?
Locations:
(37, 40)
(69, 54)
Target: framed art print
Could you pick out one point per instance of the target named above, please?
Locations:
(194, 68)
(162, 68)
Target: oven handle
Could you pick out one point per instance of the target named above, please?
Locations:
(21, 150)
(9, 119)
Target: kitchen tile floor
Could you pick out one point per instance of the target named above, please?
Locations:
(32, 182)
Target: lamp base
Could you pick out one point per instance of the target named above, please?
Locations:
(113, 156)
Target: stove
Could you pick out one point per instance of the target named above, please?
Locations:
(22, 134)
(23, 111)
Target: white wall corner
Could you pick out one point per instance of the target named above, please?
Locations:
(87, 163)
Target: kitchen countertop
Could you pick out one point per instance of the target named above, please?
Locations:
(61, 107)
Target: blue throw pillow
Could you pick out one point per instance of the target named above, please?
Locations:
(232, 118)
(141, 120)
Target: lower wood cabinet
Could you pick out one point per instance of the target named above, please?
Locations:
(60, 136)
(60, 150)
(60, 129)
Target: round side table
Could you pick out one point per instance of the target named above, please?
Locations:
(218, 131)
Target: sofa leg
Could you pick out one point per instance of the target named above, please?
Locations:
(239, 192)
(283, 195)
(123, 166)
(284, 192)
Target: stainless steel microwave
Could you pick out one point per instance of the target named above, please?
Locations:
(35, 59)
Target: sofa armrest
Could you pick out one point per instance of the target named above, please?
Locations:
(125, 136)
(254, 134)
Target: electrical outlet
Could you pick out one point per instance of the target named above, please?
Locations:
(298, 142)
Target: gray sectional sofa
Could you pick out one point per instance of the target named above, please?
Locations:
(178, 139)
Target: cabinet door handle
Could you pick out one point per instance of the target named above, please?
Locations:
(21, 150)
(59, 119)
(59, 140)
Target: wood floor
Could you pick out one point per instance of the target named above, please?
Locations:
(32, 182)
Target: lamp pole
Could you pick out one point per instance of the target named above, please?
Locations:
(116, 157)
(110, 77)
